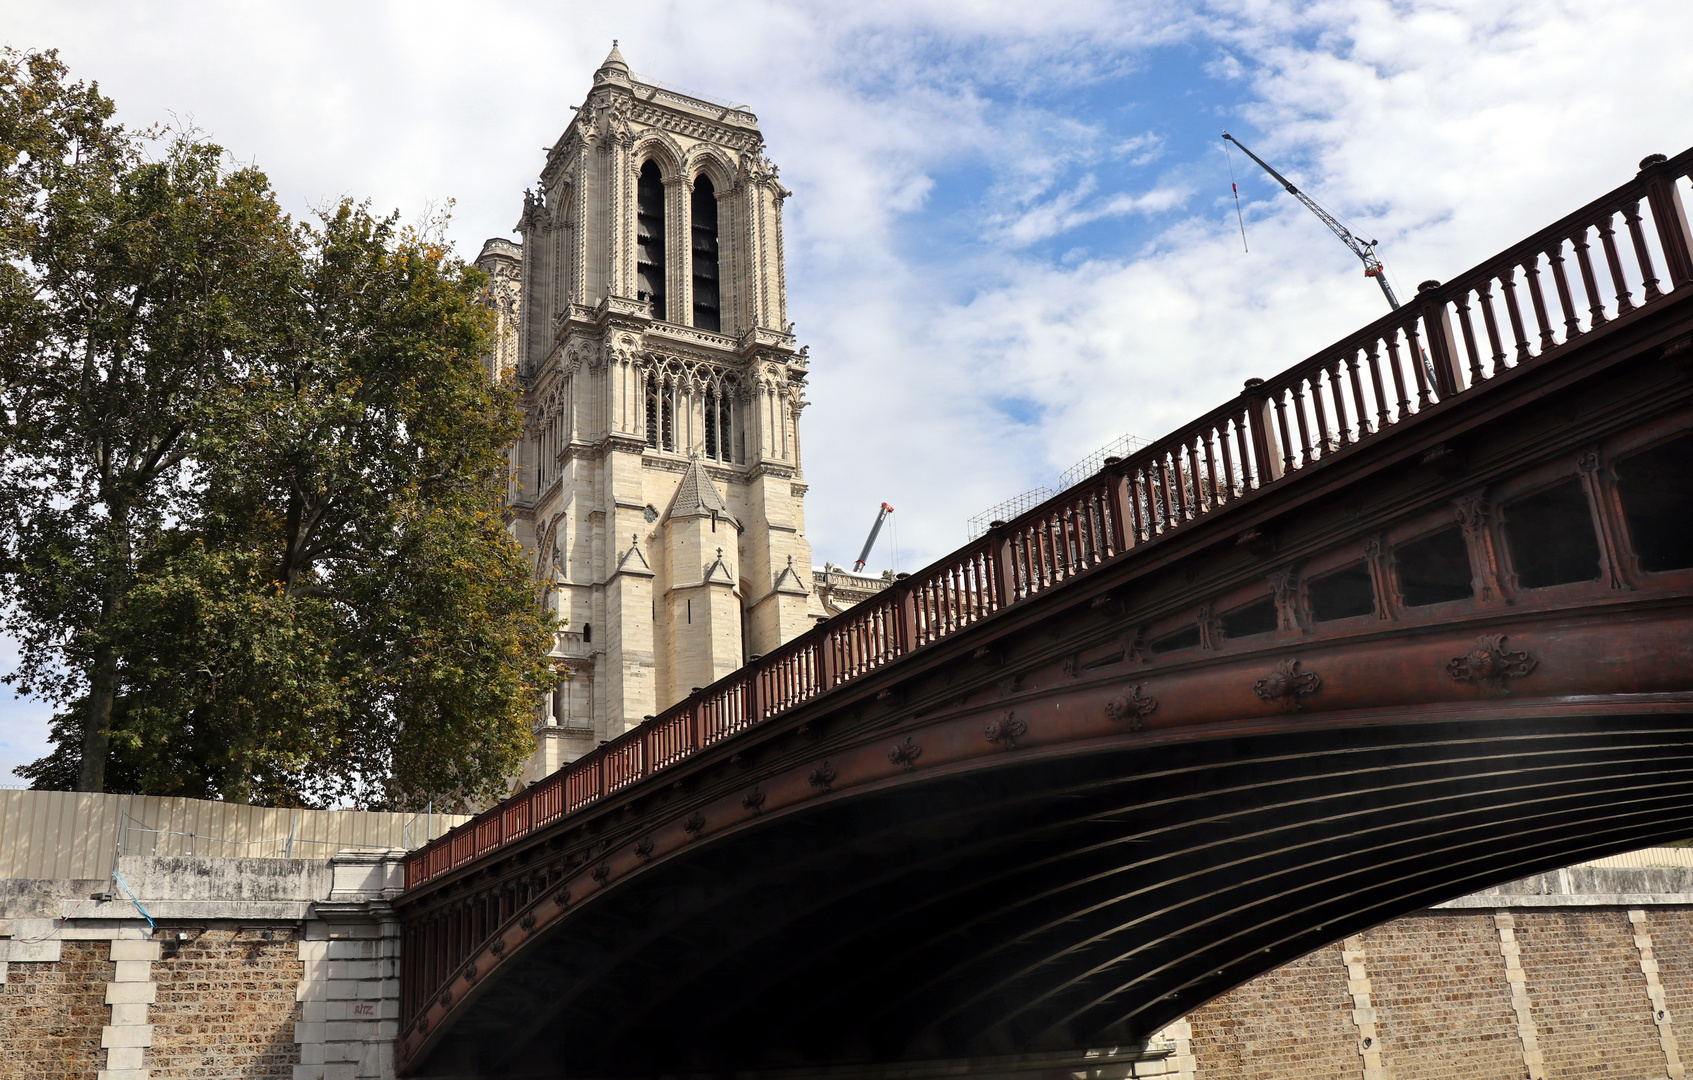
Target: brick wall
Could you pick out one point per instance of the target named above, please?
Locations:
(1672, 940)
(1443, 1007)
(225, 1005)
(1432, 992)
(1588, 995)
(52, 1013)
(1293, 1022)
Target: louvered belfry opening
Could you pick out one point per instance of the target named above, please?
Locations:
(707, 315)
(711, 424)
(649, 233)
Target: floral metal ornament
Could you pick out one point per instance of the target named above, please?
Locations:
(754, 800)
(1007, 729)
(562, 898)
(905, 754)
(1131, 708)
(499, 946)
(527, 922)
(1287, 686)
(822, 776)
(694, 825)
(1489, 665)
(602, 873)
(644, 848)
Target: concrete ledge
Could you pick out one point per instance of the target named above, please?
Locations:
(133, 971)
(1586, 886)
(136, 1035)
(235, 910)
(135, 950)
(142, 993)
(126, 1058)
(30, 952)
(1493, 901)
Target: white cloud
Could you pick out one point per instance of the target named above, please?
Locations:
(1446, 129)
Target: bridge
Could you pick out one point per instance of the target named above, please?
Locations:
(1409, 619)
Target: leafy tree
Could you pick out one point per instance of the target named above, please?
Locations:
(141, 291)
(253, 468)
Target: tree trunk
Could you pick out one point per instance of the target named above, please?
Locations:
(103, 672)
(97, 736)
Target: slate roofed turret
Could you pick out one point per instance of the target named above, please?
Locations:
(697, 496)
(615, 67)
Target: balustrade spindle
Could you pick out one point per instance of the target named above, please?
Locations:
(1230, 473)
(1337, 391)
(1373, 354)
(1648, 275)
(1360, 406)
(1513, 311)
(1242, 438)
(1214, 497)
(1177, 488)
(1414, 353)
(1467, 328)
(1589, 280)
(1531, 274)
(1491, 321)
(1613, 261)
(1281, 428)
(1560, 280)
(1393, 365)
(1323, 439)
(1305, 454)
(1186, 482)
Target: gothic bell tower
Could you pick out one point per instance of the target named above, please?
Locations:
(658, 485)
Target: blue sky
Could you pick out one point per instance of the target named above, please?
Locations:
(1011, 238)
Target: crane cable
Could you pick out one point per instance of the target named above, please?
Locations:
(1236, 188)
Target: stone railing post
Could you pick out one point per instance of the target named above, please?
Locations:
(1670, 218)
(1437, 330)
(1266, 447)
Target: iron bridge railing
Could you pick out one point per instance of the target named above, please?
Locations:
(1507, 315)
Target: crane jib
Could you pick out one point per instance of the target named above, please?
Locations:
(1365, 251)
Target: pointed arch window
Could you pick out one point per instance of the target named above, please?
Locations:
(707, 315)
(649, 238)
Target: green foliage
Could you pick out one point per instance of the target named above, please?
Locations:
(253, 472)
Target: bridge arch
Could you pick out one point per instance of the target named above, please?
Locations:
(994, 814)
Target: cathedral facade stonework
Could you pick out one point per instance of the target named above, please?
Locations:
(658, 485)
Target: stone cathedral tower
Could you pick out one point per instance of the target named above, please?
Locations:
(658, 485)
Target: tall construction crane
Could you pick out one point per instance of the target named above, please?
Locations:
(1364, 249)
(875, 530)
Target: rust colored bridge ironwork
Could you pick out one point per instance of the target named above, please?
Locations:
(1361, 639)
